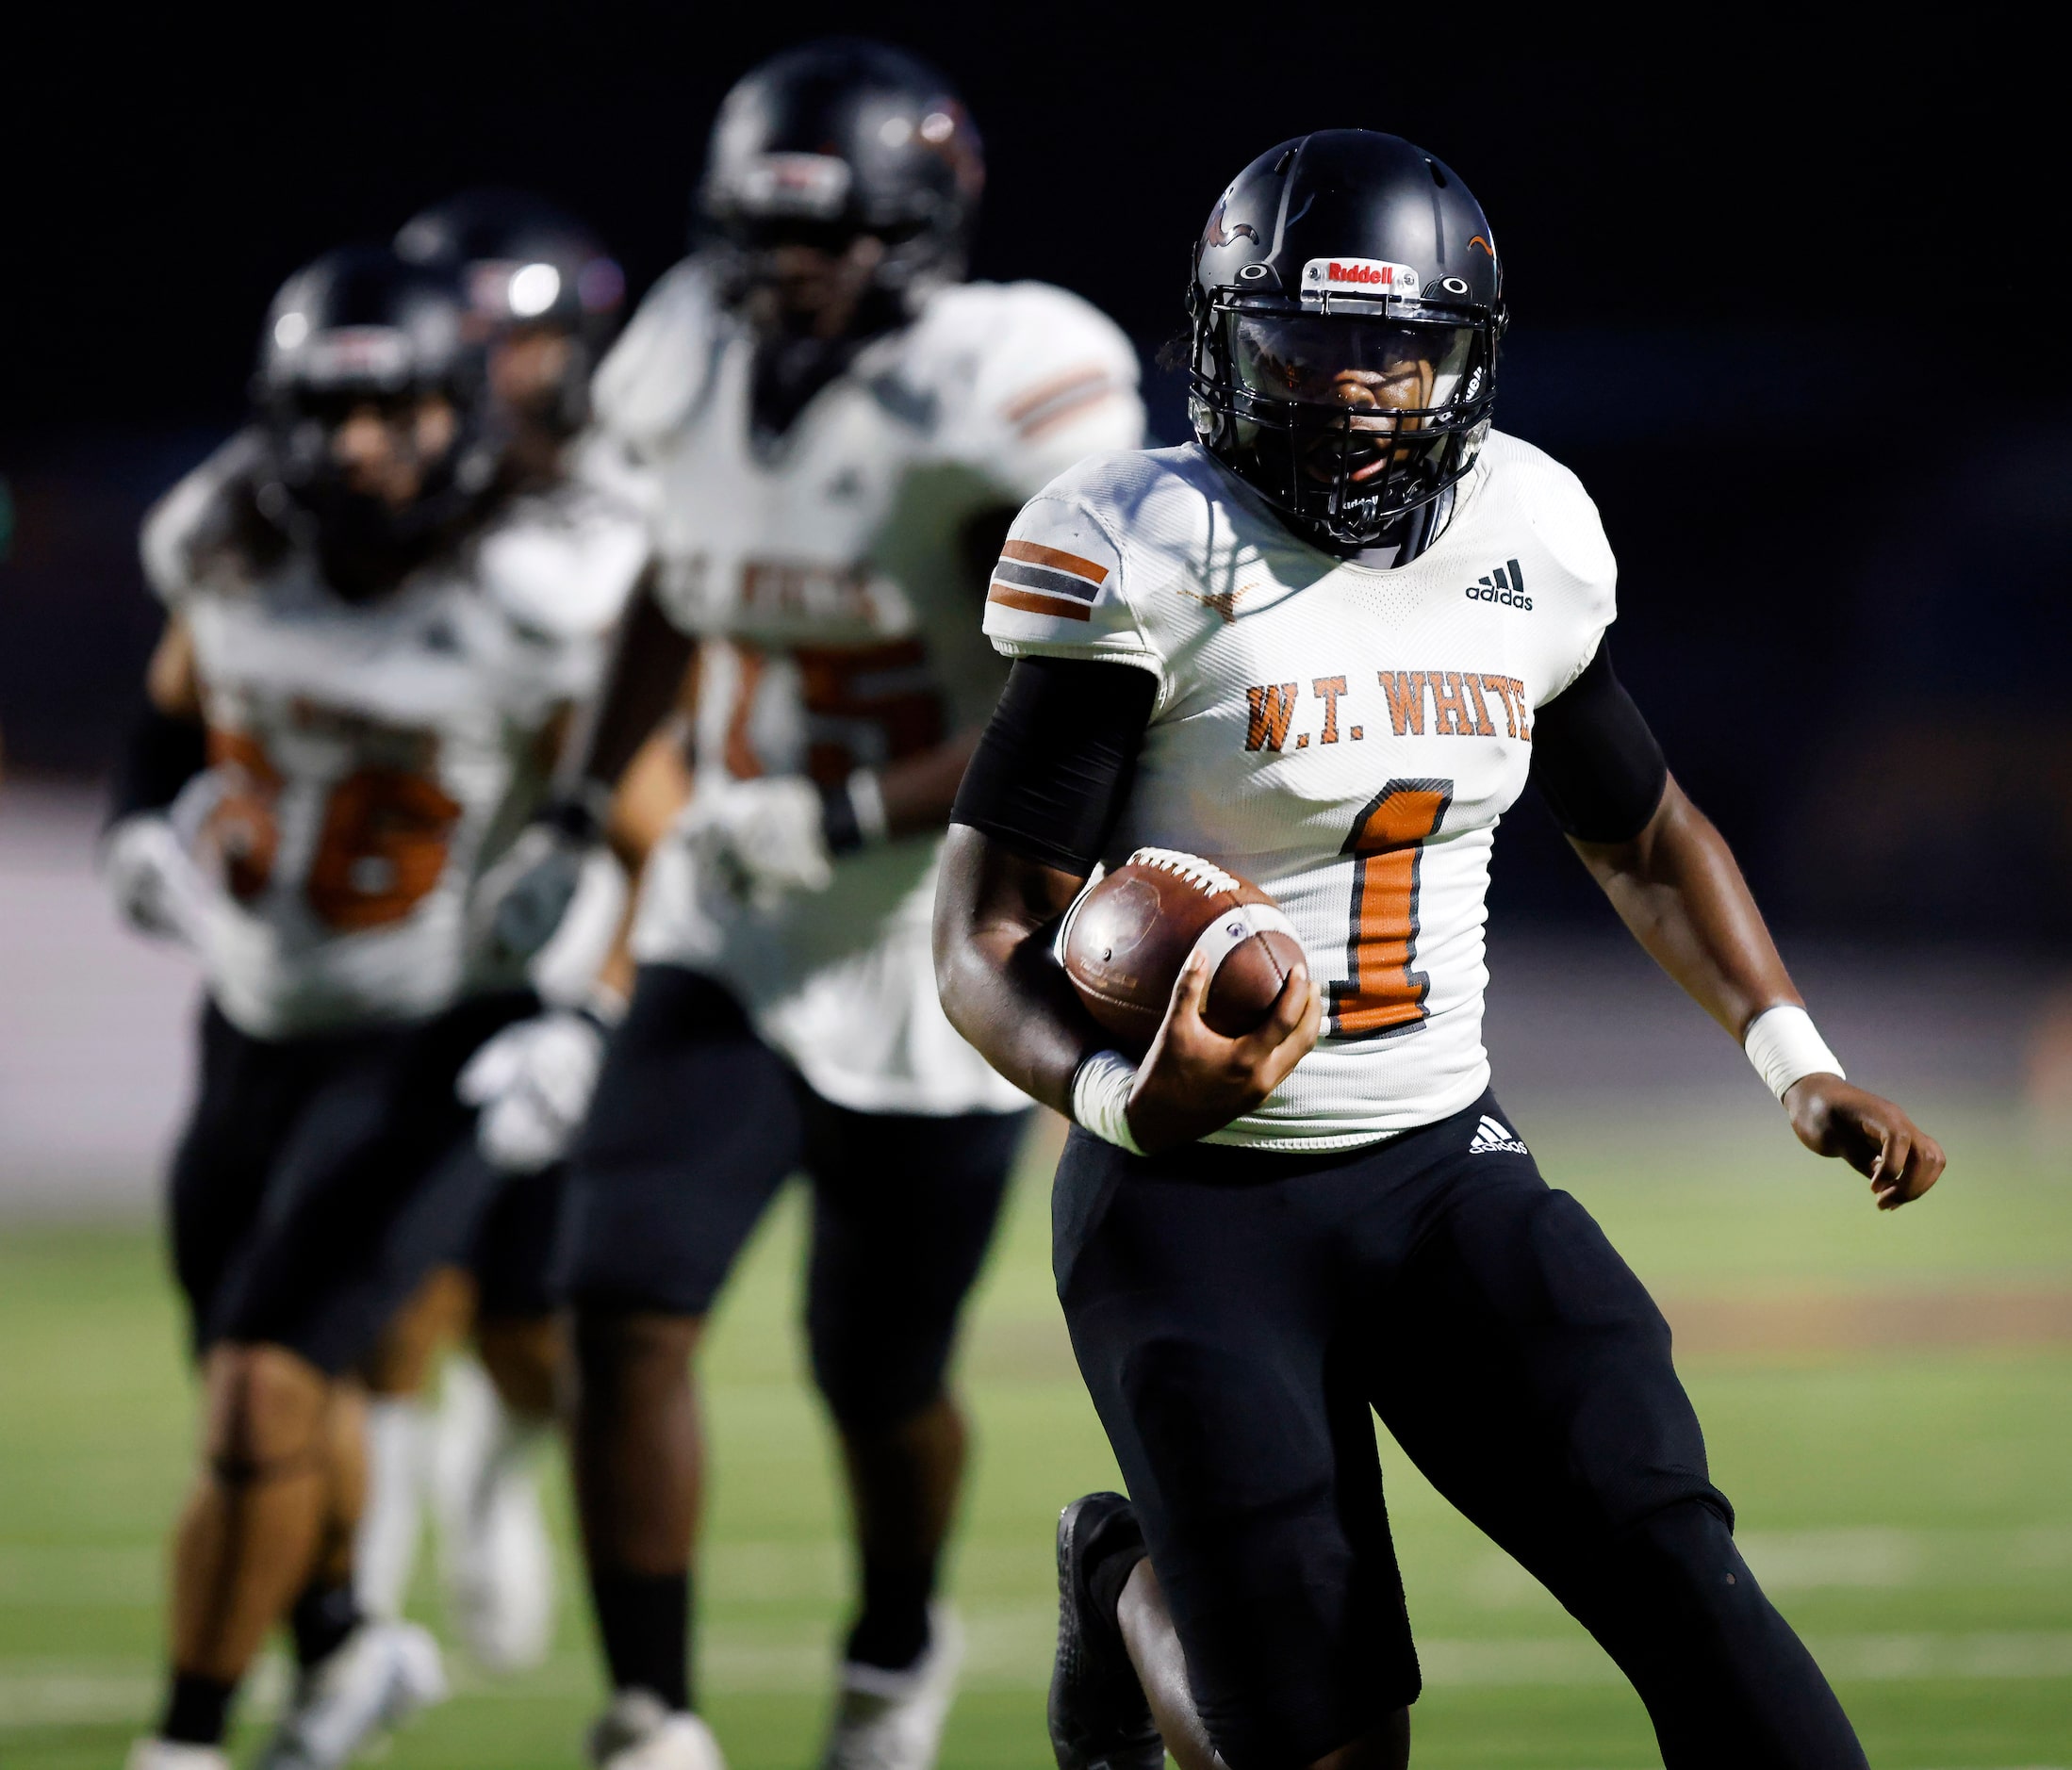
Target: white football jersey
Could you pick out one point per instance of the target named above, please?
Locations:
(1343, 736)
(369, 761)
(825, 576)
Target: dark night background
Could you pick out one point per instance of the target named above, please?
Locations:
(1791, 308)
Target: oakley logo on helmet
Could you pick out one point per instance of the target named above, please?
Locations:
(1363, 275)
(813, 185)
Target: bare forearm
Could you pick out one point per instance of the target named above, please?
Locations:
(999, 986)
(173, 682)
(653, 790)
(643, 684)
(1677, 887)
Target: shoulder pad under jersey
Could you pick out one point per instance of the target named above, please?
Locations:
(1575, 583)
(1027, 379)
(651, 380)
(565, 560)
(193, 530)
(1062, 588)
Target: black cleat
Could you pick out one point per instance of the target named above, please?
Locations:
(1100, 1719)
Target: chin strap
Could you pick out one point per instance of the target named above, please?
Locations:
(1413, 532)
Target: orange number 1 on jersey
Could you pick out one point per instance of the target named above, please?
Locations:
(1381, 992)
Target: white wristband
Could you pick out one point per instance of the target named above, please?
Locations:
(1101, 1098)
(867, 801)
(1785, 1046)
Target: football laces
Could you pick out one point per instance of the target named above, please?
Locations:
(1204, 876)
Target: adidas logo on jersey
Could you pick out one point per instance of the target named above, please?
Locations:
(1492, 1138)
(1506, 584)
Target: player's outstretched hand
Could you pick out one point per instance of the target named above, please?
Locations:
(1194, 1080)
(1833, 1118)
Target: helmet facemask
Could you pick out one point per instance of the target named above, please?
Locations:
(847, 163)
(1346, 423)
(795, 281)
(367, 535)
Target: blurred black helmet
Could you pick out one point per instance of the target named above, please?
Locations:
(842, 138)
(521, 262)
(1346, 304)
(358, 328)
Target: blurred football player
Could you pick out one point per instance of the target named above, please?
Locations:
(551, 295)
(375, 643)
(546, 296)
(838, 429)
(1325, 645)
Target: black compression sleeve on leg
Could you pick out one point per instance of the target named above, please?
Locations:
(164, 752)
(1056, 762)
(643, 1625)
(1594, 761)
(322, 1618)
(892, 1627)
(197, 1711)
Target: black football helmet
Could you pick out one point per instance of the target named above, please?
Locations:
(522, 263)
(361, 327)
(1346, 304)
(842, 138)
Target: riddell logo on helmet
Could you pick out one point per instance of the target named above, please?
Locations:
(1364, 276)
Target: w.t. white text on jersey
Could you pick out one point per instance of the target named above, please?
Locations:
(1345, 737)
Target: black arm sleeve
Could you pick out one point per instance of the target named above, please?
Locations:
(1594, 759)
(1051, 773)
(165, 751)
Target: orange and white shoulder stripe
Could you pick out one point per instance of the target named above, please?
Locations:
(1059, 399)
(1041, 580)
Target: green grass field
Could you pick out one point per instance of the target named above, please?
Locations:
(1909, 1506)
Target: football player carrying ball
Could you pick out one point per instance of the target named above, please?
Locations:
(1324, 647)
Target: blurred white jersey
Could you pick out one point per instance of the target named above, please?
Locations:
(1345, 737)
(827, 577)
(369, 761)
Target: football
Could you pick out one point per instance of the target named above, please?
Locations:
(1125, 938)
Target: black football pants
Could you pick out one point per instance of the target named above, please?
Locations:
(320, 1178)
(1237, 1313)
(695, 1125)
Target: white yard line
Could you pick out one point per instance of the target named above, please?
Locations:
(1862, 1558)
(1009, 1651)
